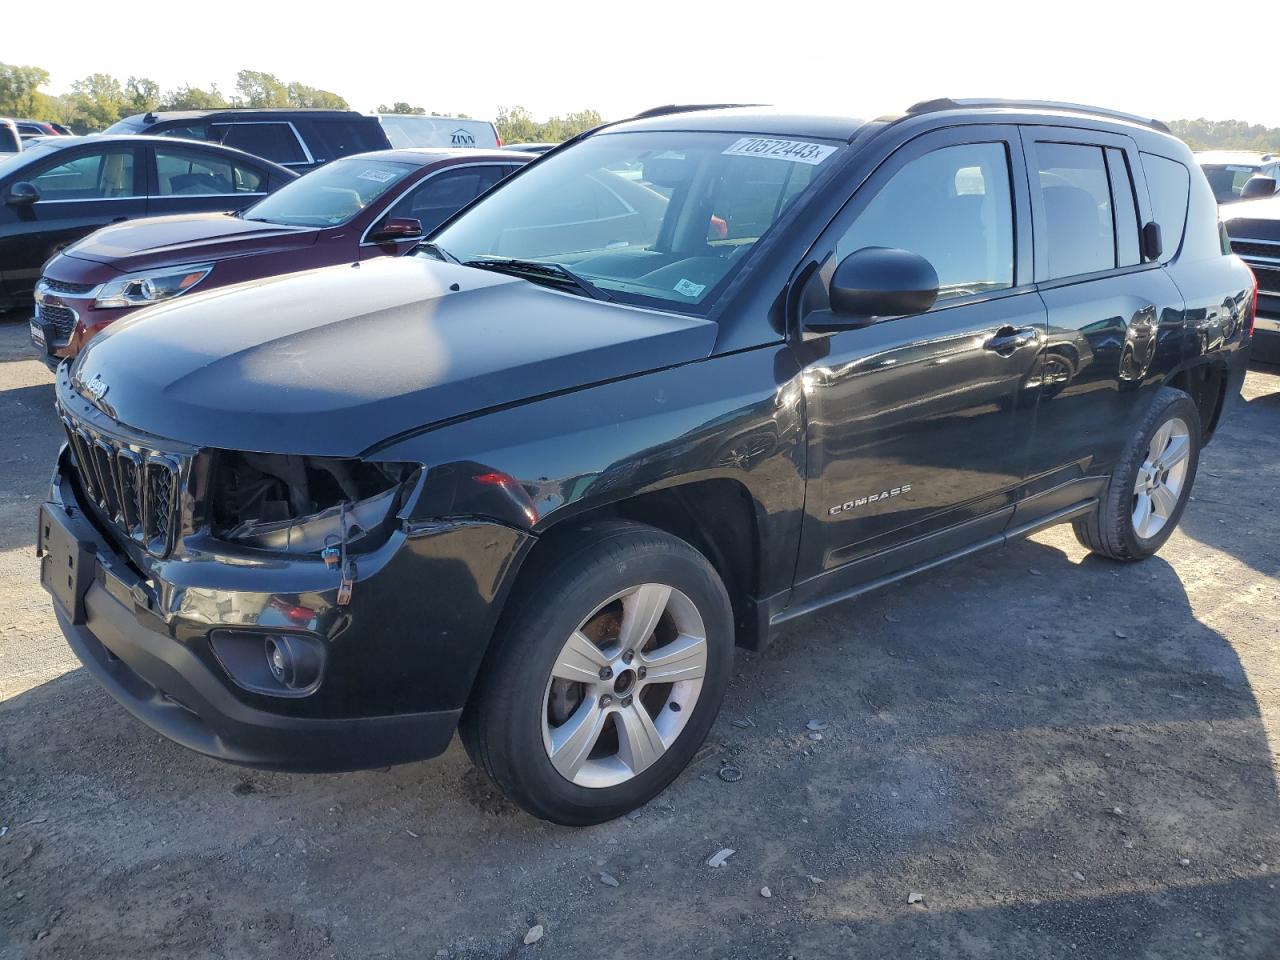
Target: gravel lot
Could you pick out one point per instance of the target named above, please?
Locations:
(1059, 755)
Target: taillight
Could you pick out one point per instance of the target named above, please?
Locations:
(1253, 305)
(499, 140)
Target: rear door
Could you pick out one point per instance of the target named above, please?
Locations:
(918, 426)
(1115, 318)
(185, 178)
(81, 189)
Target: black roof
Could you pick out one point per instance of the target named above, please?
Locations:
(140, 121)
(423, 156)
(772, 121)
(756, 119)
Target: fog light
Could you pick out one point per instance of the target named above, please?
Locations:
(278, 664)
(293, 662)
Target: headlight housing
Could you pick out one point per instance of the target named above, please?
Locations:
(151, 286)
(298, 505)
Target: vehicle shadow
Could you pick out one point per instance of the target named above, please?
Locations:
(1055, 752)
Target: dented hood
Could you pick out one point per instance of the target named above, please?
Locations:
(332, 361)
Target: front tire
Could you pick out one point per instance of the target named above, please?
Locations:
(1151, 484)
(605, 675)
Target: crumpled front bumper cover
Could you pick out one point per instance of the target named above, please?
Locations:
(158, 663)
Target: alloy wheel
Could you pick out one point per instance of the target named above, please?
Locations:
(624, 685)
(1161, 478)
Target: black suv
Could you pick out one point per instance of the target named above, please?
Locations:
(676, 384)
(1254, 231)
(298, 139)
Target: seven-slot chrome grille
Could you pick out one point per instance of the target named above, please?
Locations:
(135, 488)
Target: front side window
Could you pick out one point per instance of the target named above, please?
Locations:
(192, 173)
(90, 176)
(441, 196)
(330, 195)
(953, 207)
(272, 141)
(1079, 224)
(654, 218)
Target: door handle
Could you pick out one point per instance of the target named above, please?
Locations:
(1008, 339)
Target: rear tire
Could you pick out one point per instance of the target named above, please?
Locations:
(605, 675)
(1149, 487)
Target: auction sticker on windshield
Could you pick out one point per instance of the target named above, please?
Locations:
(797, 151)
(378, 176)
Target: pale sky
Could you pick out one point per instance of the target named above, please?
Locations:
(618, 58)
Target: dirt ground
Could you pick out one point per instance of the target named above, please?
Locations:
(1061, 756)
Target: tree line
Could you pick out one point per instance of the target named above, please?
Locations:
(100, 99)
(1202, 134)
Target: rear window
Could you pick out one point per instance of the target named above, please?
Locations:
(1169, 185)
(1228, 179)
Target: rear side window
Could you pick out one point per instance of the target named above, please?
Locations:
(340, 138)
(271, 141)
(1079, 225)
(194, 173)
(1169, 184)
(953, 207)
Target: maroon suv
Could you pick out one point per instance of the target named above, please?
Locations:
(368, 205)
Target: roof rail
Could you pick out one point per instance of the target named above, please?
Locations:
(946, 103)
(687, 108)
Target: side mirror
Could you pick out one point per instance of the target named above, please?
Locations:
(1152, 245)
(876, 282)
(397, 228)
(1258, 187)
(22, 194)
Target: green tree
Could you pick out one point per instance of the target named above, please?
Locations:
(96, 102)
(300, 95)
(516, 125)
(400, 106)
(141, 94)
(194, 98)
(19, 89)
(258, 89)
(1202, 134)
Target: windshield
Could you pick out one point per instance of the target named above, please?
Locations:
(1228, 179)
(646, 217)
(9, 162)
(331, 195)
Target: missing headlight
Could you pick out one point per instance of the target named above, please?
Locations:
(293, 504)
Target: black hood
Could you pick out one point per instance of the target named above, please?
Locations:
(330, 362)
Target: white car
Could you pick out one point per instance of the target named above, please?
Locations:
(418, 130)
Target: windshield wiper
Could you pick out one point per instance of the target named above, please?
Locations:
(438, 251)
(549, 274)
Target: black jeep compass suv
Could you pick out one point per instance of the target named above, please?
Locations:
(683, 380)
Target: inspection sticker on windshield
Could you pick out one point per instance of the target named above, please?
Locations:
(688, 288)
(797, 151)
(377, 176)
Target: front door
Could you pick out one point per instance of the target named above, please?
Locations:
(919, 426)
(81, 189)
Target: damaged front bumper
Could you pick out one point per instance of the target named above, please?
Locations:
(398, 661)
